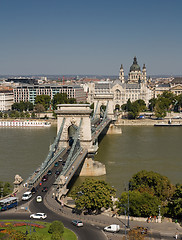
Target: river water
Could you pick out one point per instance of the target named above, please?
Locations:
(138, 147)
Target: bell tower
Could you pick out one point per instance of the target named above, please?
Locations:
(121, 74)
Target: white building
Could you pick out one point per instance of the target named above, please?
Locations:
(134, 88)
(6, 99)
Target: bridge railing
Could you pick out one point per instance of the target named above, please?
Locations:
(39, 175)
(49, 159)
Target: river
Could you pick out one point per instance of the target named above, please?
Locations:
(138, 147)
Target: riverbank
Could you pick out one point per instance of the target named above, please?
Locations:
(143, 122)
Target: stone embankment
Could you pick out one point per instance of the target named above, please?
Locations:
(143, 122)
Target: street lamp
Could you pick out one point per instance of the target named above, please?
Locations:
(159, 210)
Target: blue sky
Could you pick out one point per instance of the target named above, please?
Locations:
(90, 37)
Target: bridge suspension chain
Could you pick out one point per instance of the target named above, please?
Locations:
(49, 159)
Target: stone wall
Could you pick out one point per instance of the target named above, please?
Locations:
(92, 168)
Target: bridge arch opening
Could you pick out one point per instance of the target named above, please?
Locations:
(71, 132)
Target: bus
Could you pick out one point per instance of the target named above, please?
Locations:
(7, 203)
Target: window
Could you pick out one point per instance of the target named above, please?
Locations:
(117, 94)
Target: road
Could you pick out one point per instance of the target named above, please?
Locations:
(88, 231)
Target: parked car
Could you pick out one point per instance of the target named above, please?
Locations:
(38, 216)
(49, 172)
(77, 223)
(112, 228)
(44, 189)
(39, 199)
(45, 177)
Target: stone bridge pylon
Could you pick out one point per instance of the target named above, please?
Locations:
(72, 114)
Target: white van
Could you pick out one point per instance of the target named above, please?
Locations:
(112, 228)
(26, 196)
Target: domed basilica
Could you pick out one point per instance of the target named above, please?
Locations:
(121, 89)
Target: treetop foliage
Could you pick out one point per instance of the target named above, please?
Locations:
(93, 195)
(153, 183)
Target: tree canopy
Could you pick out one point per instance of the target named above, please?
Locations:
(153, 183)
(140, 204)
(45, 100)
(61, 98)
(175, 205)
(93, 195)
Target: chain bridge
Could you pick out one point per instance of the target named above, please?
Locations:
(77, 139)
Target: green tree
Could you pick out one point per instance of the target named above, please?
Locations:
(6, 188)
(33, 115)
(93, 195)
(1, 115)
(175, 205)
(153, 183)
(56, 226)
(141, 204)
(152, 103)
(160, 110)
(142, 105)
(43, 100)
(36, 236)
(178, 103)
(134, 110)
(22, 115)
(27, 115)
(129, 105)
(72, 100)
(5, 116)
(59, 98)
(39, 108)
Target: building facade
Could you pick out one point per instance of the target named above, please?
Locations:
(134, 88)
(6, 98)
(175, 86)
(27, 93)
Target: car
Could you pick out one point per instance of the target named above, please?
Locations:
(60, 160)
(39, 199)
(56, 164)
(57, 172)
(112, 228)
(26, 196)
(63, 164)
(77, 223)
(38, 216)
(49, 172)
(45, 189)
(45, 177)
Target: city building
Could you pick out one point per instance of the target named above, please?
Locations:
(26, 92)
(174, 86)
(134, 88)
(6, 98)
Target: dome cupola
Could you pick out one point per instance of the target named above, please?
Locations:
(134, 67)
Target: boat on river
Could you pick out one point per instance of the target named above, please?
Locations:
(28, 123)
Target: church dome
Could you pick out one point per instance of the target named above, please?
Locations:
(135, 66)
